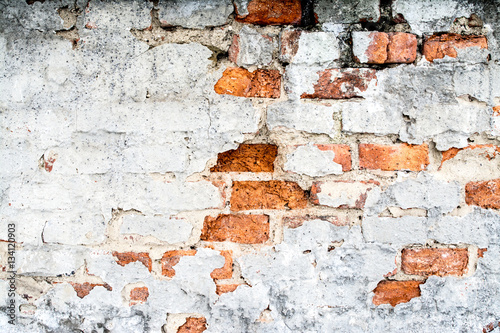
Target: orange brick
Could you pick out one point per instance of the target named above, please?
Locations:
(340, 83)
(172, 258)
(225, 288)
(342, 154)
(394, 157)
(238, 81)
(440, 262)
(390, 48)
(247, 158)
(274, 194)
(272, 12)
(139, 295)
(128, 257)
(402, 48)
(395, 292)
(245, 229)
(193, 325)
(484, 194)
(439, 46)
(226, 271)
(83, 289)
(480, 252)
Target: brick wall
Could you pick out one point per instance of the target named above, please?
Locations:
(250, 166)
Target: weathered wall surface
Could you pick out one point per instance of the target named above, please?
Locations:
(256, 166)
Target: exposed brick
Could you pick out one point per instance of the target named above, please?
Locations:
(272, 12)
(225, 288)
(239, 81)
(172, 258)
(396, 292)
(402, 48)
(394, 157)
(193, 325)
(452, 152)
(289, 44)
(439, 262)
(49, 160)
(496, 111)
(341, 194)
(274, 194)
(247, 158)
(125, 258)
(245, 229)
(83, 289)
(480, 252)
(265, 83)
(439, 46)
(484, 194)
(139, 295)
(226, 271)
(234, 49)
(381, 47)
(491, 327)
(339, 83)
(342, 154)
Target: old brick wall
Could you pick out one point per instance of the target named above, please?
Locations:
(250, 166)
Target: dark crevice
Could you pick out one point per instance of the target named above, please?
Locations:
(30, 2)
(386, 22)
(308, 19)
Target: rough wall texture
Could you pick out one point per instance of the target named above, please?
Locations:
(256, 166)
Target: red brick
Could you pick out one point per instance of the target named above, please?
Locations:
(193, 325)
(247, 158)
(394, 157)
(272, 12)
(391, 48)
(138, 295)
(245, 229)
(172, 258)
(340, 83)
(225, 288)
(239, 81)
(83, 289)
(125, 258)
(342, 154)
(226, 271)
(440, 262)
(484, 194)
(396, 292)
(439, 46)
(274, 194)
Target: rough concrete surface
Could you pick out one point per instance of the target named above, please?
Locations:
(249, 166)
